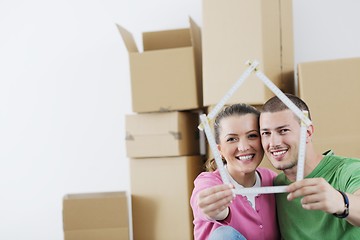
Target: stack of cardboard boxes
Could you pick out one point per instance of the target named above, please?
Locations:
(182, 72)
(170, 87)
(235, 31)
(166, 80)
(162, 138)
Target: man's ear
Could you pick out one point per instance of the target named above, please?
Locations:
(309, 133)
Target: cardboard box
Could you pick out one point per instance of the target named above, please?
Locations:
(331, 90)
(167, 75)
(96, 216)
(161, 190)
(162, 134)
(235, 31)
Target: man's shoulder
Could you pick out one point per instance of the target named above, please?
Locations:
(280, 179)
(341, 162)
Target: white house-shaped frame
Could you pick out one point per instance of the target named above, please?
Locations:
(305, 122)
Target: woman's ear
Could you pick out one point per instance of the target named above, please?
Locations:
(219, 148)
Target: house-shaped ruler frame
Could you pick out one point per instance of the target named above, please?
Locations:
(305, 122)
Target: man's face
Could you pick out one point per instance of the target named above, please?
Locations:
(280, 133)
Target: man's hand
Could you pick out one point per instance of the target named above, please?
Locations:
(317, 194)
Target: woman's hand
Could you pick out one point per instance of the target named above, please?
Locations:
(214, 201)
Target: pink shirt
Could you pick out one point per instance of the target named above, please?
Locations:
(253, 224)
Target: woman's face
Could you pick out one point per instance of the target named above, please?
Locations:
(240, 143)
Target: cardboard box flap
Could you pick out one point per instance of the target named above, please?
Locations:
(128, 39)
(95, 195)
(195, 32)
(166, 39)
(196, 42)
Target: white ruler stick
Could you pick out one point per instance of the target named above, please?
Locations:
(302, 150)
(215, 151)
(303, 116)
(283, 98)
(305, 121)
(260, 190)
(231, 92)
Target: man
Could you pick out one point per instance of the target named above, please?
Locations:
(330, 189)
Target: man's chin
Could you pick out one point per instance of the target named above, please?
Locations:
(276, 164)
(283, 167)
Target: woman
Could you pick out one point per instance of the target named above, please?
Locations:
(218, 213)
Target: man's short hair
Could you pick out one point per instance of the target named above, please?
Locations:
(274, 104)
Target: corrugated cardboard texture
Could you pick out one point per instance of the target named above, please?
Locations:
(161, 190)
(101, 214)
(331, 90)
(235, 31)
(167, 75)
(162, 134)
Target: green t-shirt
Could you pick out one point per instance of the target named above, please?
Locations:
(298, 223)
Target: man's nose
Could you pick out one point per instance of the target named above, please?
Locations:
(274, 140)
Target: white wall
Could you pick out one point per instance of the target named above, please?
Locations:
(65, 87)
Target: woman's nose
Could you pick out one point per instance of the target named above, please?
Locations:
(243, 145)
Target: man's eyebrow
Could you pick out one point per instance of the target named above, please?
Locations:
(277, 128)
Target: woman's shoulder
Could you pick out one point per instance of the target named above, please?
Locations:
(266, 170)
(213, 177)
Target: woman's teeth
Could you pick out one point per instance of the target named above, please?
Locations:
(245, 157)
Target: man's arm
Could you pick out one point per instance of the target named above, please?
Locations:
(354, 208)
(318, 194)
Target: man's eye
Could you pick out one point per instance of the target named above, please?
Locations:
(283, 131)
(265, 133)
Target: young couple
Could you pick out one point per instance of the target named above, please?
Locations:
(325, 205)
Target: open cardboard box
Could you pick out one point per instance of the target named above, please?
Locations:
(167, 74)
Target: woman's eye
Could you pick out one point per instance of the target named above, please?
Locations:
(253, 135)
(231, 139)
